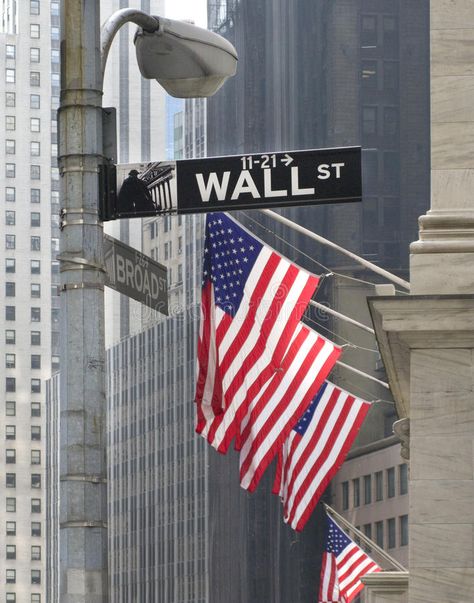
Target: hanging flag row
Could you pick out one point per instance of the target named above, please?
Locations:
(262, 373)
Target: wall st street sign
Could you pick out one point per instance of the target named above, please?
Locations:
(134, 274)
(228, 183)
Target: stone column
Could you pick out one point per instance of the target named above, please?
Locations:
(427, 338)
(385, 587)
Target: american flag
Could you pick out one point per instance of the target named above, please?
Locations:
(344, 563)
(315, 449)
(252, 302)
(282, 401)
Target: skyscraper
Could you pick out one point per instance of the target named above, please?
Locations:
(332, 73)
(29, 55)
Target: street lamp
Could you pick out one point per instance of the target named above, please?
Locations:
(187, 61)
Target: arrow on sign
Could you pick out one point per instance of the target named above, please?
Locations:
(287, 159)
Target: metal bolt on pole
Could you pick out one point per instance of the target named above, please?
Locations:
(83, 491)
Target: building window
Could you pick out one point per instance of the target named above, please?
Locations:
(35, 361)
(35, 480)
(35, 195)
(34, 7)
(404, 530)
(35, 314)
(390, 76)
(10, 217)
(34, 55)
(391, 533)
(35, 79)
(10, 241)
(35, 101)
(35, 148)
(10, 575)
(11, 507)
(10, 598)
(10, 312)
(10, 289)
(36, 433)
(35, 172)
(10, 336)
(36, 458)
(35, 290)
(10, 265)
(36, 386)
(356, 492)
(10, 456)
(36, 528)
(379, 533)
(379, 486)
(11, 527)
(10, 75)
(10, 99)
(10, 361)
(369, 121)
(10, 51)
(10, 194)
(35, 337)
(10, 384)
(10, 480)
(368, 532)
(36, 505)
(345, 496)
(403, 478)
(391, 482)
(35, 266)
(35, 124)
(10, 432)
(34, 30)
(11, 551)
(10, 122)
(368, 38)
(36, 409)
(10, 408)
(35, 576)
(10, 147)
(10, 170)
(35, 243)
(369, 75)
(35, 598)
(35, 553)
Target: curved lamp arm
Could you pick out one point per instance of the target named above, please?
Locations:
(115, 22)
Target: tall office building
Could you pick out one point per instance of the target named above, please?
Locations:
(331, 73)
(141, 137)
(29, 56)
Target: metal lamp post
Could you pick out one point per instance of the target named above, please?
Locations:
(83, 469)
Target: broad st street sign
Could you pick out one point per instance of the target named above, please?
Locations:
(134, 274)
(233, 182)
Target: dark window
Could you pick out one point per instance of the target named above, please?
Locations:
(368, 31)
(10, 384)
(35, 361)
(391, 533)
(10, 265)
(35, 338)
(369, 121)
(10, 480)
(390, 36)
(391, 482)
(36, 386)
(10, 432)
(379, 533)
(36, 432)
(367, 489)
(36, 505)
(36, 528)
(356, 492)
(369, 75)
(35, 480)
(404, 530)
(35, 576)
(379, 485)
(10, 289)
(403, 478)
(36, 409)
(345, 496)
(10, 456)
(11, 551)
(10, 312)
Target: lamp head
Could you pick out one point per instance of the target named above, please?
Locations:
(186, 60)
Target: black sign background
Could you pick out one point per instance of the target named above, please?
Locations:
(346, 188)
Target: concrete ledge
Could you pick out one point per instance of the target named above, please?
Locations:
(385, 587)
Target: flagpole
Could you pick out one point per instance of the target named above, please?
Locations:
(362, 374)
(377, 269)
(367, 541)
(341, 316)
